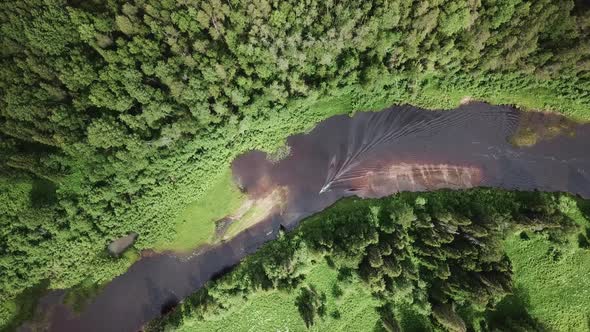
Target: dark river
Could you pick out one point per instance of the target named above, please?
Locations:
(368, 155)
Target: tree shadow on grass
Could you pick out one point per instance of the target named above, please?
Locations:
(512, 314)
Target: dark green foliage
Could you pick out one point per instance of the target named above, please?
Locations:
(310, 304)
(447, 264)
(387, 322)
(583, 237)
(129, 107)
(43, 193)
(336, 314)
(445, 316)
(511, 315)
(337, 291)
(24, 211)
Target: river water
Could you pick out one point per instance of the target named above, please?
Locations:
(367, 155)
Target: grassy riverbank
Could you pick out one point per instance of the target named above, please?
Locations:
(334, 252)
(555, 290)
(554, 293)
(275, 310)
(551, 278)
(195, 225)
(430, 94)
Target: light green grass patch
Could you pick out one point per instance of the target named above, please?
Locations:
(333, 106)
(195, 226)
(447, 99)
(276, 310)
(249, 219)
(539, 99)
(557, 290)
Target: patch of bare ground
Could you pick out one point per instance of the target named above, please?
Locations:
(466, 100)
(251, 212)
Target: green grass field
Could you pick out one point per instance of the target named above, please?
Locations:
(556, 290)
(276, 311)
(196, 223)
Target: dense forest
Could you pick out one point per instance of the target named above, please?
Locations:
(116, 114)
(436, 255)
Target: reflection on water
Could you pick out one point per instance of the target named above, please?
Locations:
(368, 155)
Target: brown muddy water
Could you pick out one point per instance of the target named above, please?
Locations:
(368, 155)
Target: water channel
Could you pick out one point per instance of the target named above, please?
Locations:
(371, 154)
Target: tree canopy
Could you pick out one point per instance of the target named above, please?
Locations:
(122, 110)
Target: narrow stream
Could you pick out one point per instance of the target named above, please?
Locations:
(368, 155)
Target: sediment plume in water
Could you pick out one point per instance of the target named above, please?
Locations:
(368, 155)
(375, 131)
(412, 177)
